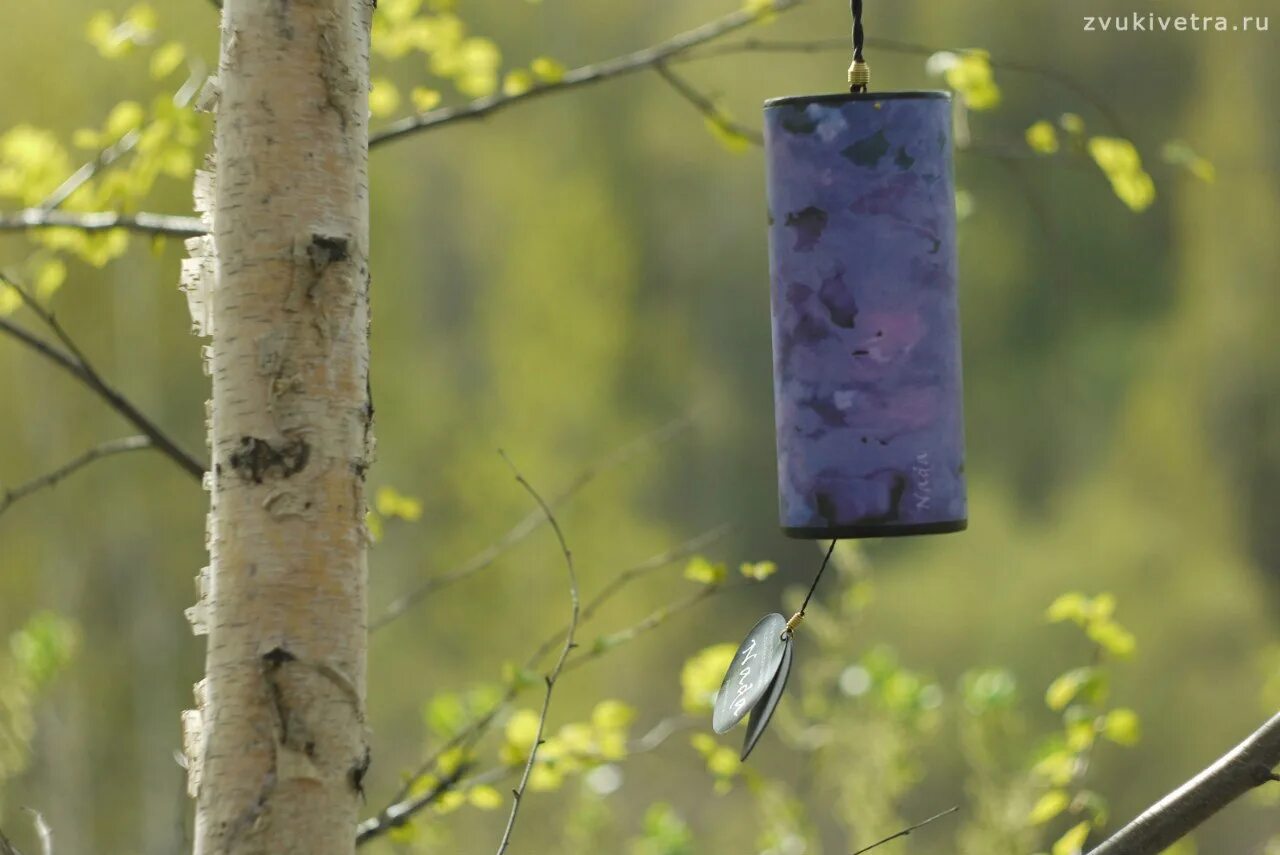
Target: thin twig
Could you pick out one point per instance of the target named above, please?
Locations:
(531, 522)
(89, 169)
(554, 675)
(706, 106)
(168, 225)
(73, 361)
(1249, 765)
(49, 479)
(584, 75)
(6, 846)
(906, 831)
(652, 621)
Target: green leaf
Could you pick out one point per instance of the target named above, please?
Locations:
(392, 503)
(759, 570)
(702, 674)
(1072, 607)
(424, 99)
(1113, 638)
(384, 98)
(1073, 841)
(548, 70)
(49, 278)
(612, 715)
(1120, 162)
(484, 797)
(124, 117)
(166, 59)
(1043, 138)
(970, 75)
(1049, 806)
(1122, 726)
(701, 570)
(1064, 690)
(1057, 767)
(721, 127)
(517, 82)
(1179, 153)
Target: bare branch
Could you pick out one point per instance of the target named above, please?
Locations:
(50, 479)
(906, 831)
(554, 675)
(74, 362)
(531, 522)
(706, 106)
(6, 846)
(652, 621)
(585, 75)
(165, 225)
(1247, 766)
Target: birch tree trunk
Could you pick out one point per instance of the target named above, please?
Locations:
(278, 747)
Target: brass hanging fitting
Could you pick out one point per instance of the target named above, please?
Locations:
(792, 624)
(859, 76)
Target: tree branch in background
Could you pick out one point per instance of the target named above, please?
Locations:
(43, 831)
(707, 107)
(692, 45)
(532, 521)
(585, 75)
(73, 361)
(101, 221)
(1247, 766)
(554, 675)
(752, 45)
(906, 831)
(403, 806)
(50, 479)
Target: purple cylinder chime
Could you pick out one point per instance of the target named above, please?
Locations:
(867, 381)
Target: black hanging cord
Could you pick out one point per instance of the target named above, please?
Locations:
(859, 74)
(799, 616)
(859, 37)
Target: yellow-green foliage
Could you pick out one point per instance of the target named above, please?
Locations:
(37, 652)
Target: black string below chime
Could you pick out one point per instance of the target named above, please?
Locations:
(758, 674)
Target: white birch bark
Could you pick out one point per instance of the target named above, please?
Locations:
(278, 746)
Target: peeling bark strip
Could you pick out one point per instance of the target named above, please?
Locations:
(281, 287)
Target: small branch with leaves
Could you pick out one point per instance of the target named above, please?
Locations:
(405, 804)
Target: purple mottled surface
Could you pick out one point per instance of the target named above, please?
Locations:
(865, 326)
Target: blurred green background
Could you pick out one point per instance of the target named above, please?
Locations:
(562, 278)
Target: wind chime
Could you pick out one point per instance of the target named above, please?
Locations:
(866, 342)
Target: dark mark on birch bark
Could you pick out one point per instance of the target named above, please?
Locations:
(256, 459)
